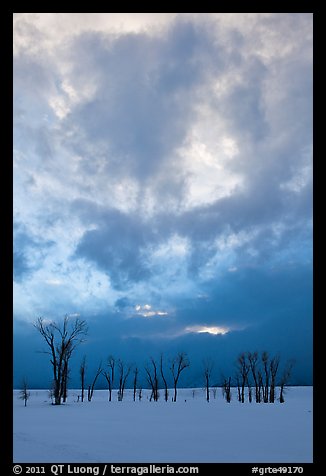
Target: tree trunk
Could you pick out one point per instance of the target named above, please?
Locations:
(281, 394)
(272, 392)
(207, 389)
(175, 392)
(166, 392)
(256, 387)
(250, 394)
(242, 393)
(239, 391)
(135, 383)
(82, 386)
(57, 393)
(266, 393)
(64, 385)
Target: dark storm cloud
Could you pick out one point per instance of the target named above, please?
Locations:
(116, 244)
(21, 267)
(271, 307)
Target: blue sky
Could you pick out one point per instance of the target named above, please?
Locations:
(163, 184)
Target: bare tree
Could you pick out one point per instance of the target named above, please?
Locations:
(273, 366)
(135, 382)
(249, 390)
(238, 387)
(285, 378)
(152, 379)
(166, 391)
(253, 359)
(51, 392)
(65, 374)
(265, 361)
(92, 386)
(243, 371)
(179, 363)
(109, 375)
(24, 394)
(226, 389)
(208, 365)
(82, 371)
(260, 385)
(124, 371)
(61, 340)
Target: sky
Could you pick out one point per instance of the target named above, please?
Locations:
(162, 171)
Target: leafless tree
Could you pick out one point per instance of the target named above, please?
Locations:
(273, 366)
(24, 394)
(124, 371)
(140, 393)
(226, 389)
(82, 371)
(152, 379)
(65, 374)
(166, 391)
(179, 363)
(208, 365)
(249, 390)
(243, 371)
(61, 340)
(253, 360)
(266, 369)
(238, 387)
(135, 382)
(285, 378)
(260, 385)
(109, 375)
(51, 392)
(92, 386)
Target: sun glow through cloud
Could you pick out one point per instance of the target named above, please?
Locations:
(216, 330)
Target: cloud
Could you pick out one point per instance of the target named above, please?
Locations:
(116, 246)
(215, 330)
(29, 252)
(158, 158)
(147, 311)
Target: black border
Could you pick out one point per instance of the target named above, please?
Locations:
(7, 286)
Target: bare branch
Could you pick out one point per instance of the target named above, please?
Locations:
(61, 339)
(179, 363)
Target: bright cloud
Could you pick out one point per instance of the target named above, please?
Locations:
(147, 311)
(215, 330)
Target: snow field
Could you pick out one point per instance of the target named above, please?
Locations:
(187, 431)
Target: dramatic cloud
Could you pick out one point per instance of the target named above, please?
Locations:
(163, 173)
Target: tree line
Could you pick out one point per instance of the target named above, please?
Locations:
(259, 374)
(256, 378)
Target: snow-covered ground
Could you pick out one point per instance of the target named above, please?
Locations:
(188, 431)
